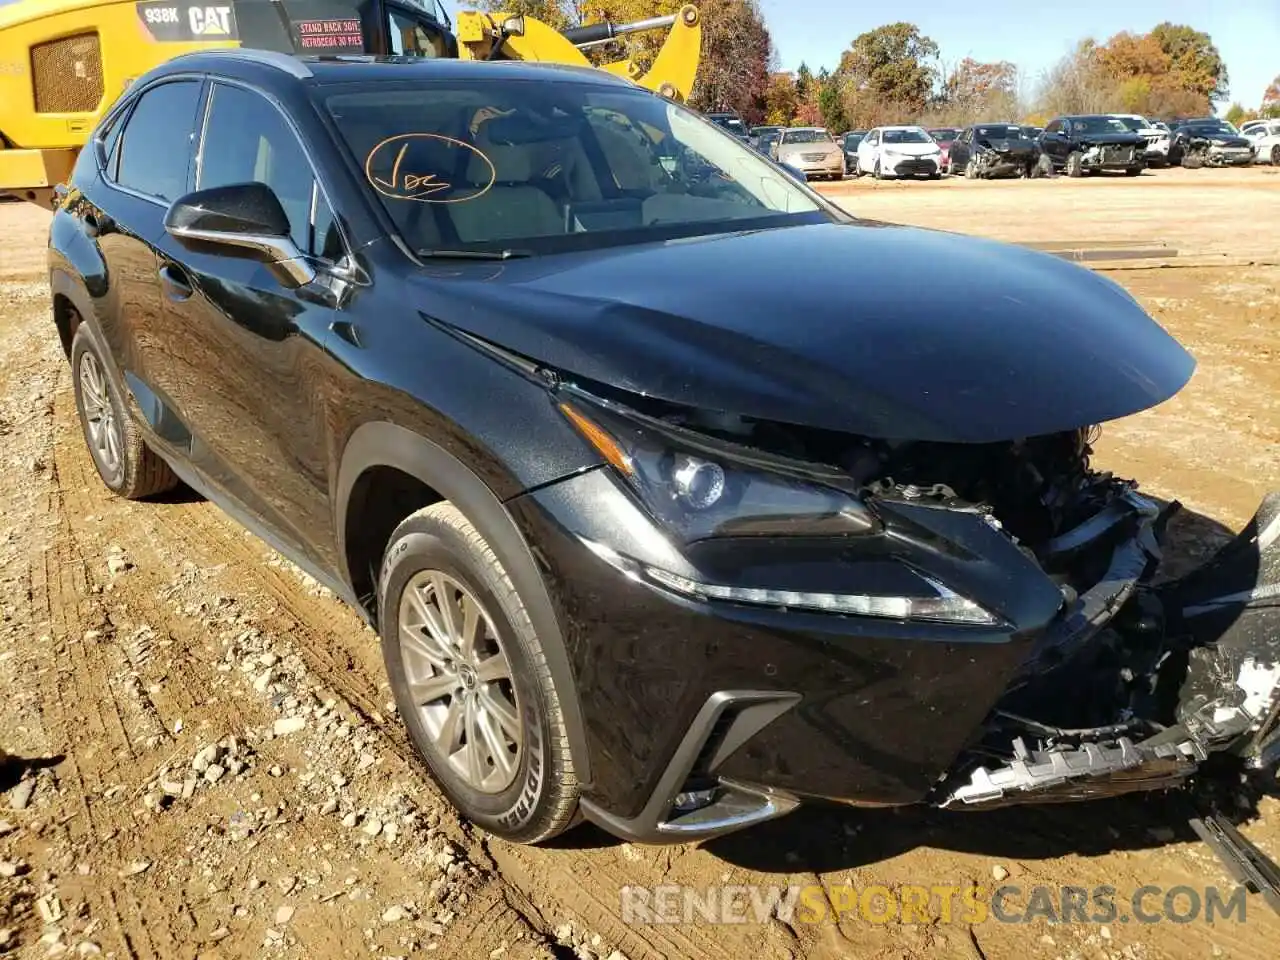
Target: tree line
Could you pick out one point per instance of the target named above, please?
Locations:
(896, 74)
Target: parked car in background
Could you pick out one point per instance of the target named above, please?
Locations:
(1084, 144)
(811, 150)
(754, 135)
(731, 122)
(1266, 142)
(1249, 126)
(1209, 142)
(899, 151)
(994, 150)
(767, 143)
(1033, 131)
(849, 143)
(1157, 139)
(944, 137)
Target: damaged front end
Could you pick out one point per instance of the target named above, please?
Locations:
(1002, 158)
(1139, 682)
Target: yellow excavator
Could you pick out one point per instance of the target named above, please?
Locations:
(64, 62)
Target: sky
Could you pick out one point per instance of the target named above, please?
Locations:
(1031, 33)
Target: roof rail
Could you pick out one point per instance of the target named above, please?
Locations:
(268, 58)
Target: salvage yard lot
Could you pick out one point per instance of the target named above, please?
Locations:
(133, 636)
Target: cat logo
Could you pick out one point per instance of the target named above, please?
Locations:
(210, 21)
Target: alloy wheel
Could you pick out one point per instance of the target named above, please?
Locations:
(460, 680)
(1275, 156)
(105, 438)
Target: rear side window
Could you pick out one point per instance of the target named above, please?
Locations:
(155, 149)
(246, 139)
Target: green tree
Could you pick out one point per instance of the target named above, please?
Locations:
(830, 103)
(1194, 62)
(804, 81)
(888, 72)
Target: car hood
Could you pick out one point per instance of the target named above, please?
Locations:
(1113, 139)
(911, 149)
(809, 148)
(1008, 146)
(1229, 141)
(867, 328)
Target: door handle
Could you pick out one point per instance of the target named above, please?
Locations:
(175, 282)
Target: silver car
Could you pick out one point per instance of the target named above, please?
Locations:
(811, 150)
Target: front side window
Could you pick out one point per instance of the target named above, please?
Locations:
(155, 149)
(409, 37)
(543, 166)
(246, 139)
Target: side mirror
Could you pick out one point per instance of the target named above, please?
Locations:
(240, 220)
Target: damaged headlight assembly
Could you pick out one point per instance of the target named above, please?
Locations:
(702, 488)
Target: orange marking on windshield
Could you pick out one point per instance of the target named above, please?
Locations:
(407, 184)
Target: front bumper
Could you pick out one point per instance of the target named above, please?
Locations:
(1112, 157)
(1231, 156)
(744, 711)
(831, 165)
(910, 166)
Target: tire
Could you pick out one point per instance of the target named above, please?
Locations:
(970, 170)
(1075, 164)
(875, 170)
(1275, 155)
(436, 550)
(1132, 171)
(124, 462)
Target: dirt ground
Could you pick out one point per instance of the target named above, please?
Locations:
(217, 771)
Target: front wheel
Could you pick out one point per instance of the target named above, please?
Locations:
(1075, 164)
(1275, 155)
(124, 462)
(471, 680)
(1132, 171)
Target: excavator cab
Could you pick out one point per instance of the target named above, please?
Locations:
(63, 63)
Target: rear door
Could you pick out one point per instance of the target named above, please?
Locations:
(143, 159)
(245, 350)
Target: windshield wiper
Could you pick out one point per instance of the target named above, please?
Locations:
(473, 254)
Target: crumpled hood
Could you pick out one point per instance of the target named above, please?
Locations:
(873, 329)
(1015, 147)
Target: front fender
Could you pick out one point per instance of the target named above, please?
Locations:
(384, 444)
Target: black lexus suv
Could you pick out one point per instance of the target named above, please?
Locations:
(675, 493)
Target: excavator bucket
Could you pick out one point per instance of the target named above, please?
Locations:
(501, 36)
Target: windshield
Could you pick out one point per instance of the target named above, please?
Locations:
(1134, 123)
(537, 168)
(1001, 131)
(1098, 125)
(944, 133)
(806, 136)
(906, 136)
(1220, 128)
(731, 124)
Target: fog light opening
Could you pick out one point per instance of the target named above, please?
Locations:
(688, 800)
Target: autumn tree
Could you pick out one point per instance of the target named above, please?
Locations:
(1271, 100)
(736, 50)
(1237, 114)
(1194, 62)
(1077, 83)
(976, 91)
(780, 99)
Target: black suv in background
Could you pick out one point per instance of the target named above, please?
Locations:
(675, 494)
(1080, 145)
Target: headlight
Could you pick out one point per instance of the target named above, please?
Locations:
(699, 488)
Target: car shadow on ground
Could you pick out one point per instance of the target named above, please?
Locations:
(827, 837)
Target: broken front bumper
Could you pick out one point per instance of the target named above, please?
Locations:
(1196, 662)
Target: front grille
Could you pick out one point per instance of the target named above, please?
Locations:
(1117, 154)
(814, 157)
(67, 74)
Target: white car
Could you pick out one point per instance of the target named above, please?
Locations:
(900, 151)
(1265, 137)
(1249, 125)
(1157, 135)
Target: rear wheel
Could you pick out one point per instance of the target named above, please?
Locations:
(471, 680)
(122, 458)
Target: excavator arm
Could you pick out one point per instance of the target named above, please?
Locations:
(501, 36)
